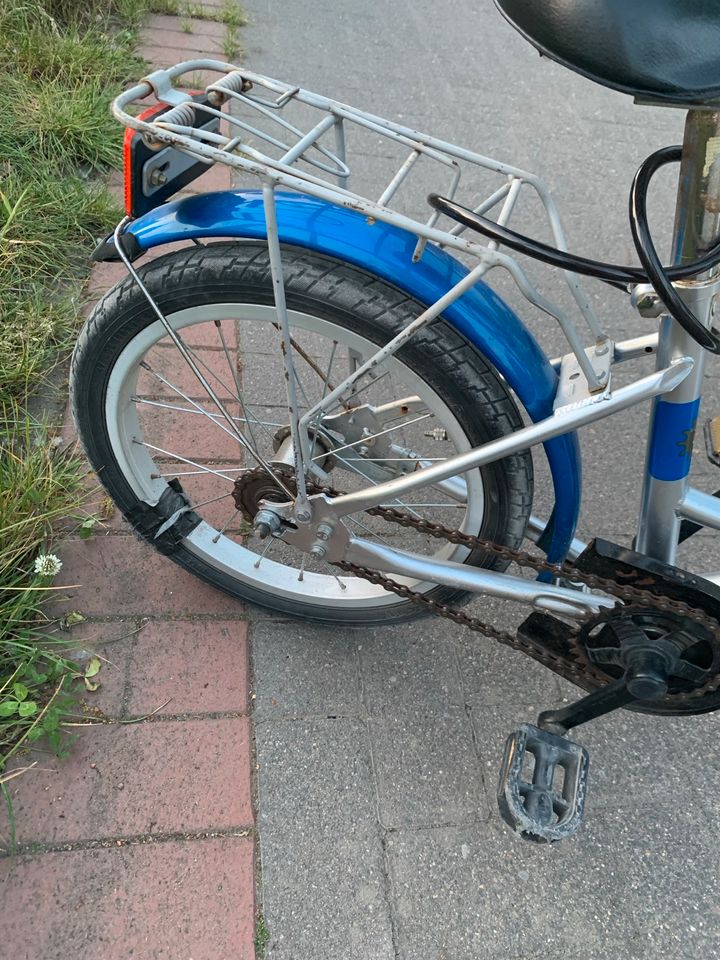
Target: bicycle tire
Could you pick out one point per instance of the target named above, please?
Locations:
(235, 277)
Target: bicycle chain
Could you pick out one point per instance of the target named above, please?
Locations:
(581, 669)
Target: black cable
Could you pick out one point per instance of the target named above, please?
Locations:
(658, 275)
(617, 275)
(612, 273)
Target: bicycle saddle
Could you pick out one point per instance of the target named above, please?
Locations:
(666, 51)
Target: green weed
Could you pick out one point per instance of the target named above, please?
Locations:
(39, 484)
(262, 936)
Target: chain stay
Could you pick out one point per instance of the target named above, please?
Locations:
(581, 669)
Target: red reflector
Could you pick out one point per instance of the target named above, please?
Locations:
(128, 141)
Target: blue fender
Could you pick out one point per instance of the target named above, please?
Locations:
(386, 251)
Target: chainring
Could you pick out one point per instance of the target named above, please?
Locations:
(698, 667)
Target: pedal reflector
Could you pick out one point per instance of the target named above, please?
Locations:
(543, 782)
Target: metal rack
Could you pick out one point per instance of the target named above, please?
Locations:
(263, 137)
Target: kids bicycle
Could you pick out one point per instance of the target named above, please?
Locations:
(317, 406)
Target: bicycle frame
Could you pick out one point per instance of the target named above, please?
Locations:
(584, 391)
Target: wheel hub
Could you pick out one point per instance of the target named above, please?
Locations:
(257, 485)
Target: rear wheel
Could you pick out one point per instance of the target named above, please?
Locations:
(146, 422)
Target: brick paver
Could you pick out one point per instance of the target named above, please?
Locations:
(140, 844)
(126, 780)
(199, 665)
(110, 576)
(153, 901)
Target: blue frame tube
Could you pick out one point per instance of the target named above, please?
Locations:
(386, 251)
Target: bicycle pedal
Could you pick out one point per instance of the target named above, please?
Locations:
(543, 782)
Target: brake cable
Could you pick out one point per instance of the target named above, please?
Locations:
(617, 275)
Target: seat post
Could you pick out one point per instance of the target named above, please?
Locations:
(674, 415)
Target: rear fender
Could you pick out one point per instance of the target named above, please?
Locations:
(386, 251)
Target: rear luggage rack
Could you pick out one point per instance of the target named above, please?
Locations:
(294, 139)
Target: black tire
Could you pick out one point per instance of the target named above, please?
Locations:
(335, 292)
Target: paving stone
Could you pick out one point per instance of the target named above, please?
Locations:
(192, 436)
(427, 770)
(303, 669)
(218, 177)
(327, 899)
(103, 276)
(195, 44)
(112, 643)
(168, 55)
(479, 892)
(409, 671)
(199, 28)
(494, 674)
(206, 335)
(200, 666)
(121, 576)
(131, 780)
(316, 777)
(154, 901)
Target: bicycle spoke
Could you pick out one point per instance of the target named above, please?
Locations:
(253, 453)
(198, 473)
(171, 406)
(343, 586)
(197, 406)
(395, 503)
(221, 532)
(176, 456)
(204, 503)
(260, 559)
(234, 374)
(369, 532)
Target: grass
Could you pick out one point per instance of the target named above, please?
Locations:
(229, 13)
(62, 61)
(262, 936)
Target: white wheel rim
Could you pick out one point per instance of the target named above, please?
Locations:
(225, 554)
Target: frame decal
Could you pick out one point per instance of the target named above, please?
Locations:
(673, 431)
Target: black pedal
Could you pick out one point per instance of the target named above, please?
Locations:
(543, 782)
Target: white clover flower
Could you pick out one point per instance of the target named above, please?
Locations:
(47, 564)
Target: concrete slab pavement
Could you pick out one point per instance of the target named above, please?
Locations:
(408, 723)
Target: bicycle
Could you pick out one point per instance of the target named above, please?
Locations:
(385, 468)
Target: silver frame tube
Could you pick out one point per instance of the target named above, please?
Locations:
(542, 596)
(697, 227)
(563, 421)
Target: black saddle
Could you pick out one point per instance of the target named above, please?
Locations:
(666, 51)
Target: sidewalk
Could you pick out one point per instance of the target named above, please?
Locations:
(375, 752)
(141, 843)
